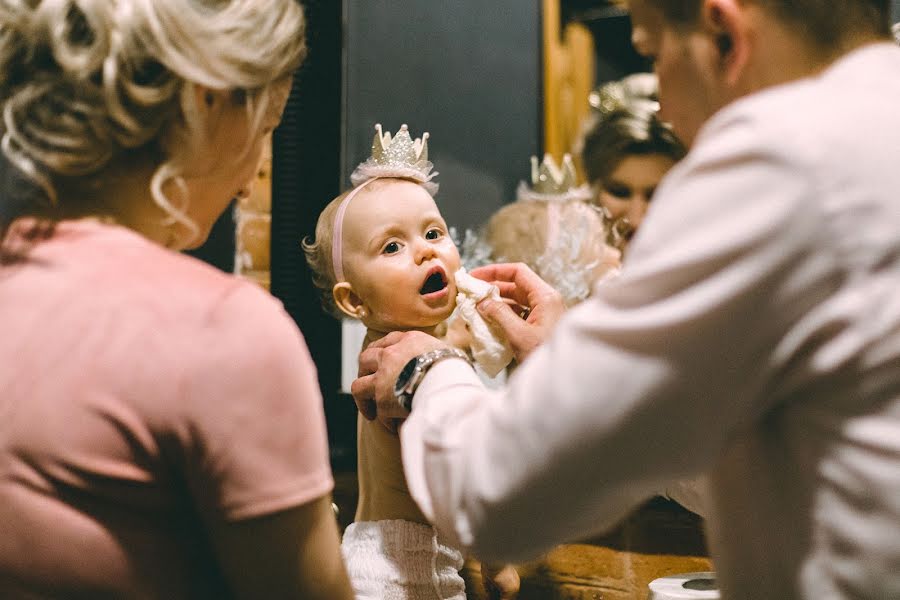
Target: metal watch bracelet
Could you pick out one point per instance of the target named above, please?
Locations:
(414, 371)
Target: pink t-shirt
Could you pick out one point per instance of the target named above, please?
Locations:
(142, 394)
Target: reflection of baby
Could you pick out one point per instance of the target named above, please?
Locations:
(382, 254)
(555, 231)
(563, 242)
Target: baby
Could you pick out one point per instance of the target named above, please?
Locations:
(554, 229)
(382, 254)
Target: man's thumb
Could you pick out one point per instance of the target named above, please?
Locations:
(502, 315)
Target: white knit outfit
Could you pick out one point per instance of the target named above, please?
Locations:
(401, 560)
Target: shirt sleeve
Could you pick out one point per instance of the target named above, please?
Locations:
(640, 385)
(252, 424)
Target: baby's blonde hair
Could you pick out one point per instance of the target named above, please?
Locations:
(89, 84)
(519, 232)
(318, 249)
(318, 256)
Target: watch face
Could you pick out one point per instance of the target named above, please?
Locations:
(404, 376)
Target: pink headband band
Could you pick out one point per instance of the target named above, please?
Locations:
(337, 260)
(552, 223)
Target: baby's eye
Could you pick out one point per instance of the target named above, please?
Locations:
(433, 234)
(391, 248)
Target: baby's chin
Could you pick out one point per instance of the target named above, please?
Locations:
(423, 324)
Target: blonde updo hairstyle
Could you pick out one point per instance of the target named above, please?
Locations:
(91, 87)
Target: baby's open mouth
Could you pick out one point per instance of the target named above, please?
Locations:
(434, 282)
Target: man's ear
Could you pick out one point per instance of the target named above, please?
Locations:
(727, 22)
(347, 301)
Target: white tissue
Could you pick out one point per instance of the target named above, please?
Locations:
(489, 348)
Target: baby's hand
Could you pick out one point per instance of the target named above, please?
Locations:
(500, 583)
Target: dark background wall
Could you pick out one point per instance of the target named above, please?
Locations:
(468, 72)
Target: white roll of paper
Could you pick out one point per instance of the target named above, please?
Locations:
(685, 586)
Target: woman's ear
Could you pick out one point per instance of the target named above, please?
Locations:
(209, 102)
(347, 301)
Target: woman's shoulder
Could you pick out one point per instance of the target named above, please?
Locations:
(127, 257)
(162, 292)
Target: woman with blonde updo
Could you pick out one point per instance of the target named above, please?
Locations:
(162, 433)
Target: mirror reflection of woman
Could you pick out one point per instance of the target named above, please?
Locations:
(626, 150)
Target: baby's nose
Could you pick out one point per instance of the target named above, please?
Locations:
(637, 210)
(424, 250)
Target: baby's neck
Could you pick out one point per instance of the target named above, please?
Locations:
(373, 334)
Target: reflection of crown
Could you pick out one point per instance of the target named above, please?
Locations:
(608, 99)
(636, 91)
(548, 178)
(550, 181)
(400, 156)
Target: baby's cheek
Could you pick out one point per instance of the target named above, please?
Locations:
(451, 257)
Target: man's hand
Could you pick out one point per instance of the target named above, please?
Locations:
(521, 287)
(380, 365)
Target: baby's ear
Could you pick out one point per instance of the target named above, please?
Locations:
(347, 301)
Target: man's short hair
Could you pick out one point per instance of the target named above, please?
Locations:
(824, 22)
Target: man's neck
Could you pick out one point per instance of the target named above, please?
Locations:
(795, 56)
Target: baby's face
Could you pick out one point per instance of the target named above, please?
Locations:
(398, 257)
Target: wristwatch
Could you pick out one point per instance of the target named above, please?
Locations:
(414, 371)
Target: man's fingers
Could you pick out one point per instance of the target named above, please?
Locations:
(369, 360)
(496, 272)
(514, 280)
(503, 315)
(363, 390)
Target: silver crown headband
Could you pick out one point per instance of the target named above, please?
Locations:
(400, 157)
(552, 182)
(567, 231)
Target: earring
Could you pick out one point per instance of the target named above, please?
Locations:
(362, 313)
